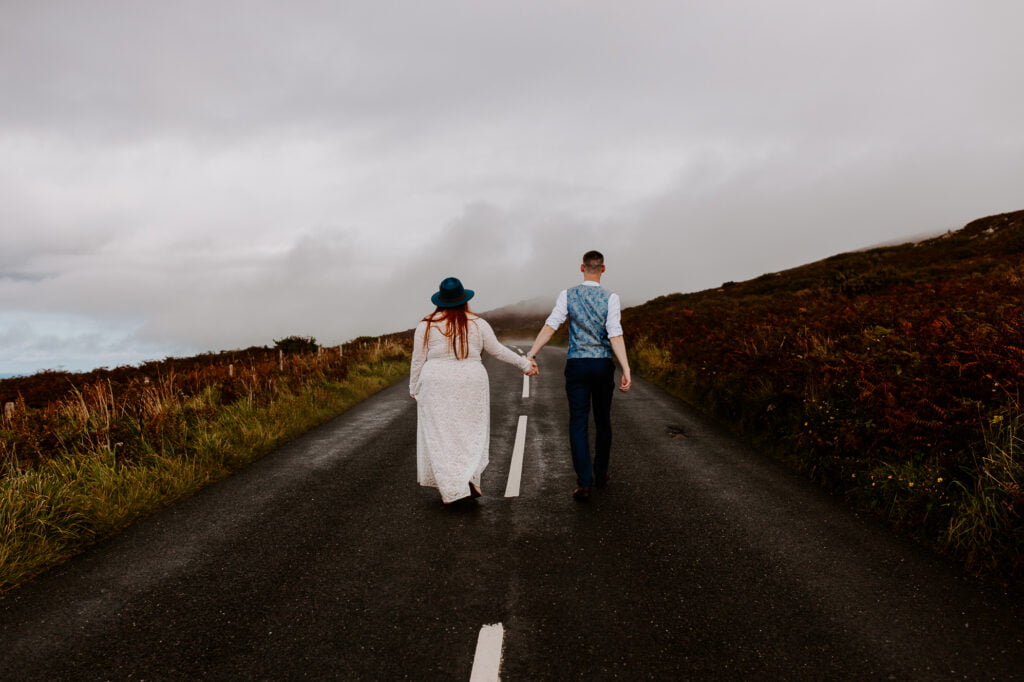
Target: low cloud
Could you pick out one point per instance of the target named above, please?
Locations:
(179, 178)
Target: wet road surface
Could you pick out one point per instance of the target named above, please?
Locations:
(325, 560)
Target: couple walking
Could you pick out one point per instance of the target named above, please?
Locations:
(452, 393)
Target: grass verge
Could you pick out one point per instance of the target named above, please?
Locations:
(128, 463)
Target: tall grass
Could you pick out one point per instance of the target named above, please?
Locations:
(987, 511)
(86, 466)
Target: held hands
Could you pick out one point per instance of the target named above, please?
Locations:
(534, 369)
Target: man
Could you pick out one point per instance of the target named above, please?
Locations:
(595, 335)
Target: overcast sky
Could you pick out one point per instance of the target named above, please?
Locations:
(177, 177)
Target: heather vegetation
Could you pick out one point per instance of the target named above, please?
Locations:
(83, 455)
(892, 376)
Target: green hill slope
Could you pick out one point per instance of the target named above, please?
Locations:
(891, 375)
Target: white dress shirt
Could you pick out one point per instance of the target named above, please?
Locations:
(613, 325)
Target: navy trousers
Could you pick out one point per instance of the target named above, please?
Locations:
(590, 383)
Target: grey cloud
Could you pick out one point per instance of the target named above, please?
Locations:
(23, 276)
(200, 175)
(200, 67)
(326, 254)
(509, 255)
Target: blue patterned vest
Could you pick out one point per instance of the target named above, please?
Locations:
(588, 313)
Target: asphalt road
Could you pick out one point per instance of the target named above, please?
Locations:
(702, 560)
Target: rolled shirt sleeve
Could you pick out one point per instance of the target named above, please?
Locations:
(614, 323)
(560, 311)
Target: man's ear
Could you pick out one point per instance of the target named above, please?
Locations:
(583, 268)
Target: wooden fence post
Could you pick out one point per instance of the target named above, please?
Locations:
(231, 371)
(280, 359)
(9, 410)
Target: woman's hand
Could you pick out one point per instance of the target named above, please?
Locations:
(534, 369)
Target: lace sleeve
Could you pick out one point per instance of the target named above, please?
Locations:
(419, 356)
(498, 349)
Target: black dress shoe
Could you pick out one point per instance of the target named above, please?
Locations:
(602, 480)
(581, 493)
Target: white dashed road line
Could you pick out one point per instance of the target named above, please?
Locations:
(487, 661)
(515, 472)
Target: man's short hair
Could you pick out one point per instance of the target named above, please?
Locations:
(592, 261)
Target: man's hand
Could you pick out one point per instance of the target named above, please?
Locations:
(626, 383)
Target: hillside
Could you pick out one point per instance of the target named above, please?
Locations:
(891, 375)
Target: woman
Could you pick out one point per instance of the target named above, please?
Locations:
(452, 393)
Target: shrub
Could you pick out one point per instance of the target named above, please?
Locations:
(296, 344)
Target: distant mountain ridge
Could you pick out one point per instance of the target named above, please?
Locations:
(522, 315)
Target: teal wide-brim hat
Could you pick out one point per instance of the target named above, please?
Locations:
(451, 293)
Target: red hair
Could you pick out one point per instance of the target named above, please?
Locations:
(456, 329)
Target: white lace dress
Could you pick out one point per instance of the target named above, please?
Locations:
(453, 426)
